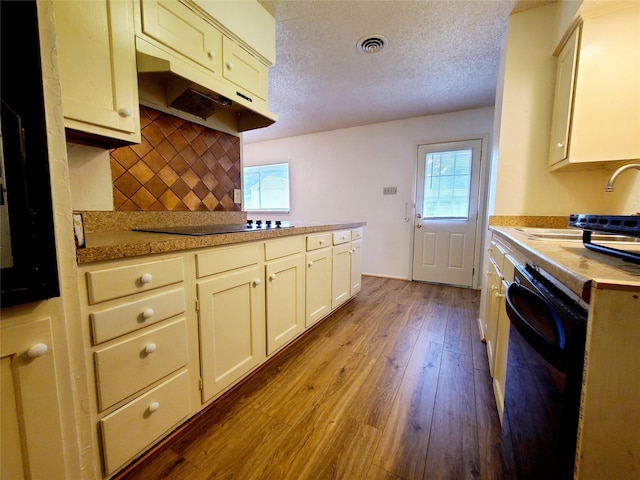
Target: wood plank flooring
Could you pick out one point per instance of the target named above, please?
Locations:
(393, 386)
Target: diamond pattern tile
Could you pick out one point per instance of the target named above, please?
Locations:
(178, 166)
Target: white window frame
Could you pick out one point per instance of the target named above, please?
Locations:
(250, 209)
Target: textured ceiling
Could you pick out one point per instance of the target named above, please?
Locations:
(441, 56)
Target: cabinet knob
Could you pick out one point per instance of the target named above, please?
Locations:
(256, 282)
(37, 350)
(211, 54)
(272, 276)
(559, 145)
(501, 295)
(230, 65)
(321, 242)
(125, 112)
(153, 406)
(310, 264)
(150, 348)
(146, 278)
(148, 313)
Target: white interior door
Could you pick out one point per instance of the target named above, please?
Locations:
(447, 212)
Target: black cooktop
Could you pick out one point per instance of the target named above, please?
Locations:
(618, 224)
(217, 229)
(628, 225)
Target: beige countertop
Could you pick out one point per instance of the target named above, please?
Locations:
(572, 264)
(113, 245)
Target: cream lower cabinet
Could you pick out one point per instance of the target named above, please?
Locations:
(494, 293)
(318, 277)
(138, 333)
(346, 274)
(96, 54)
(285, 291)
(231, 314)
(32, 441)
(501, 344)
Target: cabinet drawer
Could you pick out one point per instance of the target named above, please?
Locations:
(129, 366)
(356, 234)
(223, 259)
(341, 236)
(127, 431)
(174, 25)
(117, 282)
(318, 241)
(497, 253)
(283, 247)
(243, 69)
(114, 322)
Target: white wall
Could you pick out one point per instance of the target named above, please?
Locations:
(339, 176)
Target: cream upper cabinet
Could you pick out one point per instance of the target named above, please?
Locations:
(597, 99)
(32, 441)
(563, 99)
(175, 26)
(97, 59)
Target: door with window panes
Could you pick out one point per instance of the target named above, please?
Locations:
(446, 220)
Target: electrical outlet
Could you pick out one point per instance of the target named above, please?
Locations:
(389, 190)
(237, 195)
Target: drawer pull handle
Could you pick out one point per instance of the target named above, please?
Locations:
(321, 242)
(211, 54)
(310, 264)
(256, 282)
(37, 350)
(153, 406)
(148, 313)
(230, 65)
(272, 277)
(150, 348)
(146, 278)
(125, 112)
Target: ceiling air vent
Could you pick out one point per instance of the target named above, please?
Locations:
(371, 43)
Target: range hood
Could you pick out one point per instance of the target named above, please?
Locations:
(171, 85)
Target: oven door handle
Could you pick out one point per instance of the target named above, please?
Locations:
(551, 350)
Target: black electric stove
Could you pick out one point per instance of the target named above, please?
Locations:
(628, 225)
(217, 229)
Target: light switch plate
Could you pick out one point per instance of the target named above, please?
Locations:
(237, 195)
(389, 190)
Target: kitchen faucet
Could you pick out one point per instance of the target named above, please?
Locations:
(612, 178)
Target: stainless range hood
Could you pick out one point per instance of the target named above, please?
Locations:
(171, 85)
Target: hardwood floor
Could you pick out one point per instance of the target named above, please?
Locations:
(394, 385)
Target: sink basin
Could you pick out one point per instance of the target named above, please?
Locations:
(565, 234)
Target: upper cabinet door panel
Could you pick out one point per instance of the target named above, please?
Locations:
(177, 27)
(96, 55)
(245, 70)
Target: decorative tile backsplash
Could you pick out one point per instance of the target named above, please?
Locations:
(178, 166)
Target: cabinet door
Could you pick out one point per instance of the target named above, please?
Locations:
(501, 352)
(232, 328)
(245, 70)
(177, 27)
(563, 99)
(285, 301)
(356, 267)
(318, 287)
(31, 431)
(341, 274)
(96, 54)
(494, 290)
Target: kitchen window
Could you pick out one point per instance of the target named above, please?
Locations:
(447, 184)
(266, 188)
